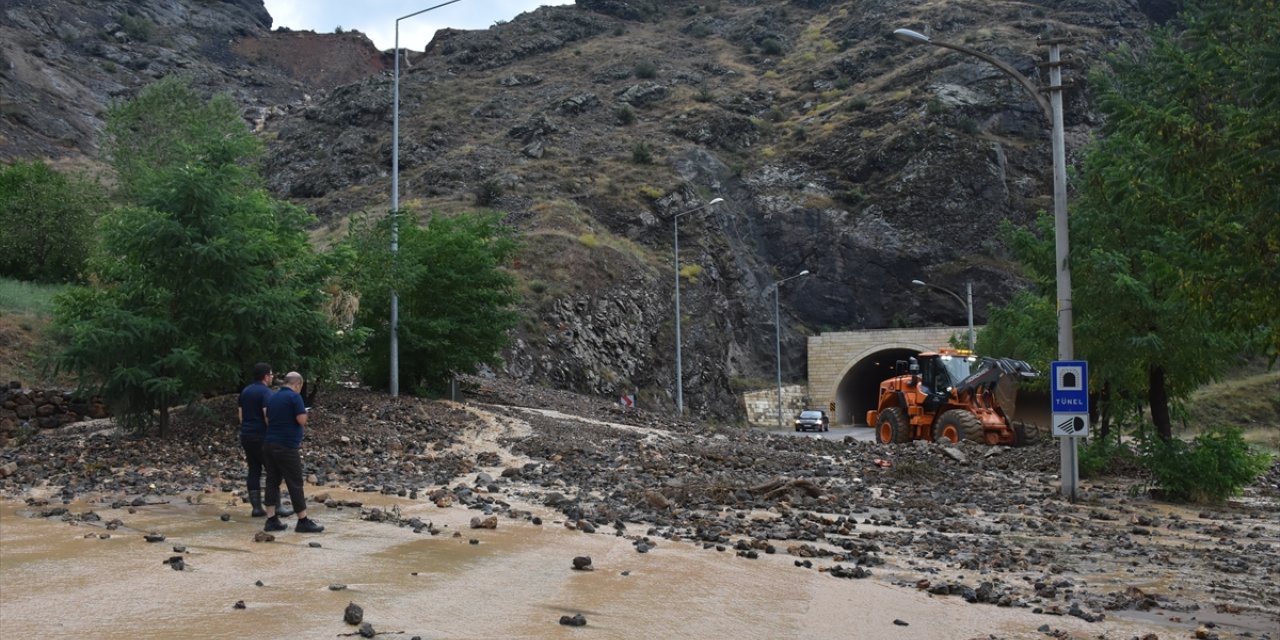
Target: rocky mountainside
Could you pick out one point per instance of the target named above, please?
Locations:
(62, 63)
(836, 149)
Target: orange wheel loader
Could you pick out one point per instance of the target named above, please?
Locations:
(951, 394)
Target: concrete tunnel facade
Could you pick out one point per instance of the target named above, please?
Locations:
(847, 367)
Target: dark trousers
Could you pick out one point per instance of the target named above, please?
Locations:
(253, 456)
(283, 463)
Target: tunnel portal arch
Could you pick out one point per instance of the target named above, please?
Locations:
(859, 386)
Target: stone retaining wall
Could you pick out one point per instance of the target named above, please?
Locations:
(43, 409)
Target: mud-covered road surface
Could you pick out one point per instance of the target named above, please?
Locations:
(693, 530)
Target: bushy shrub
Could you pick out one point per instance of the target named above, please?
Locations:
(641, 153)
(771, 46)
(625, 115)
(646, 70)
(1215, 465)
(137, 27)
(1106, 456)
(47, 220)
(488, 192)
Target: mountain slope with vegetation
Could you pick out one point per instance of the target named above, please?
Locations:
(836, 149)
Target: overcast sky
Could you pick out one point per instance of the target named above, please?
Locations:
(377, 18)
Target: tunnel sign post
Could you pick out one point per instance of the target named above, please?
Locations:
(1069, 399)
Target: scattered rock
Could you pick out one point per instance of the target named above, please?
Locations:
(576, 620)
(582, 563)
(490, 522)
(353, 614)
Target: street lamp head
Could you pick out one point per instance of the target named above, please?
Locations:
(919, 282)
(716, 201)
(914, 37)
(804, 273)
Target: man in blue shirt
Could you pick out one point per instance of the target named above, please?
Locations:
(286, 416)
(252, 413)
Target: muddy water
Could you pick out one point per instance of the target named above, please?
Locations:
(60, 580)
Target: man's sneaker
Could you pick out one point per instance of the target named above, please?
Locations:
(307, 525)
(274, 524)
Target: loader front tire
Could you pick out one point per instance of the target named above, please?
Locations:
(892, 426)
(956, 425)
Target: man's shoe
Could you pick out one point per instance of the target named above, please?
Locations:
(255, 501)
(274, 524)
(307, 525)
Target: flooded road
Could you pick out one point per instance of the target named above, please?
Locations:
(65, 580)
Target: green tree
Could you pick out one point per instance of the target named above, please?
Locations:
(1193, 136)
(201, 275)
(47, 219)
(456, 299)
(1174, 232)
(168, 126)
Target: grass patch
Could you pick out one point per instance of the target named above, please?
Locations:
(1250, 400)
(17, 296)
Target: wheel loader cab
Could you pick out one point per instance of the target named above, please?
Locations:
(939, 374)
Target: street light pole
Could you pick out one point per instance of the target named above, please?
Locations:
(675, 228)
(395, 203)
(777, 336)
(968, 306)
(1052, 109)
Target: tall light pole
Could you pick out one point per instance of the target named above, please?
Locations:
(968, 306)
(395, 202)
(777, 335)
(1052, 109)
(675, 228)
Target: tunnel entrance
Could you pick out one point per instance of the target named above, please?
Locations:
(859, 389)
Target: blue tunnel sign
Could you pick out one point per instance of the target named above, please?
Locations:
(1069, 397)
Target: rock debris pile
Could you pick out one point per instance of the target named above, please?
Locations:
(988, 527)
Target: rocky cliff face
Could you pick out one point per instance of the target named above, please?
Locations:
(63, 62)
(835, 148)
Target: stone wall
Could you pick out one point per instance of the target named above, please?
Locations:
(762, 406)
(43, 409)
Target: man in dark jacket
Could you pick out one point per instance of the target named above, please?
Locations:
(253, 428)
(286, 416)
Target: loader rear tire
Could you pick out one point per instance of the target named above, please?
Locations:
(1025, 434)
(956, 425)
(892, 426)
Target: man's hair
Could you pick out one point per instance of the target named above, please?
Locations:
(293, 377)
(261, 371)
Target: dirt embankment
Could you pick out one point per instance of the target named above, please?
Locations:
(981, 525)
(320, 60)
